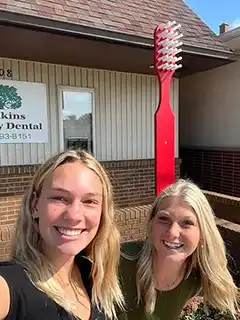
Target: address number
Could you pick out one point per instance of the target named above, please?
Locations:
(7, 72)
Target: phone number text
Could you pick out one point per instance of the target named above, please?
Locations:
(15, 136)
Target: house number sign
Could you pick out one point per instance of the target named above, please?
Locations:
(6, 72)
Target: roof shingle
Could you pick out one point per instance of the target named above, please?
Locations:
(134, 17)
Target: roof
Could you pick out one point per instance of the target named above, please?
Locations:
(231, 34)
(133, 17)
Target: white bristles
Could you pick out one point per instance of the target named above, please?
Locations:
(168, 43)
(170, 23)
(163, 50)
(169, 66)
(176, 27)
(164, 42)
(170, 59)
(173, 51)
(178, 36)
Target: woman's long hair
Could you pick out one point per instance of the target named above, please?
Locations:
(104, 249)
(209, 258)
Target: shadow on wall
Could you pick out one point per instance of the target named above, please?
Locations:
(231, 235)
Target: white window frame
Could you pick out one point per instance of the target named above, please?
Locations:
(60, 104)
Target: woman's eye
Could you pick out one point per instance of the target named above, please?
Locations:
(187, 223)
(91, 201)
(163, 220)
(59, 198)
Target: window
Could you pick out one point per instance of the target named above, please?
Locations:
(77, 119)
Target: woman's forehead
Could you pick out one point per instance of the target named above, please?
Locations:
(73, 175)
(175, 205)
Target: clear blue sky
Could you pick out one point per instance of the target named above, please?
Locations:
(215, 12)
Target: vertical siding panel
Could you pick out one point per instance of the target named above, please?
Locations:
(97, 138)
(90, 84)
(123, 114)
(155, 100)
(90, 78)
(129, 119)
(102, 115)
(84, 78)
(113, 114)
(138, 117)
(12, 148)
(22, 148)
(28, 74)
(134, 153)
(31, 78)
(54, 112)
(72, 82)
(78, 77)
(44, 148)
(65, 82)
(118, 116)
(144, 106)
(59, 74)
(108, 144)
(148, 118)
(39, 69)
(6, 149)
(59, 81)
(65, 76)
(38, 78)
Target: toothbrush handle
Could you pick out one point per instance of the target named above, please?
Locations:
(164, 140)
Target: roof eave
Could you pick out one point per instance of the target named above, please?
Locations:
(62, 27)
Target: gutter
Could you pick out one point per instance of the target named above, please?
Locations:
(71, 29)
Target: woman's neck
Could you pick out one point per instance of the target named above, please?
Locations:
(62, 264)
(64, 271)
(168, 273)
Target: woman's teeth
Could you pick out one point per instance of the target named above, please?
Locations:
(69, 232)
(172, 245)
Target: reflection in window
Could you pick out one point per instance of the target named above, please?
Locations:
(77, 119)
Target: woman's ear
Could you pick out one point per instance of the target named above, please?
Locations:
(201, 242)
(34, 209)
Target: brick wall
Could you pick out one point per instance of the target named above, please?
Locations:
(213, 170)
(133, 183)
(231, 234)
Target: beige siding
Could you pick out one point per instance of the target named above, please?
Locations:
(124, 106)
(209, 108)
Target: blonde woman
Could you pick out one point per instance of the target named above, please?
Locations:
(66, 247)
(183, 254)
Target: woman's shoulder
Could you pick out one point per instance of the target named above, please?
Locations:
(131, 249)
(13, 273)
(10, 266)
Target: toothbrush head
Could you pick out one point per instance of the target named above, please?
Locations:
(167, 46)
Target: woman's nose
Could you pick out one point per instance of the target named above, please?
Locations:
(74, 211)
(174, 231)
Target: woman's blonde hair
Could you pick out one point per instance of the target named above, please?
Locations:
(104, 249)
(209, 258)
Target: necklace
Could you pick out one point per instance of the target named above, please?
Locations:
(167, 286)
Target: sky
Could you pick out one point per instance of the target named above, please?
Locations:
(76, 103)
(215, 12)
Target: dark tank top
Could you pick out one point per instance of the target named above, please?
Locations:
(27, 302)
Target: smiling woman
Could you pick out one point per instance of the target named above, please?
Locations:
(177, 260)
(66, 247)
